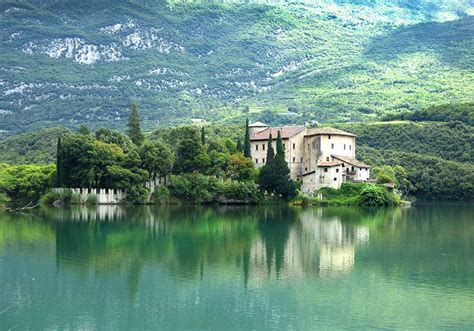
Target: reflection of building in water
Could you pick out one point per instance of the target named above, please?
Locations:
(316, 245)
(88, 213)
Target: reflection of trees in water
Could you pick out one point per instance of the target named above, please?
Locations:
(183, 240)
(261, 242)
(257, 243)
(274, 227)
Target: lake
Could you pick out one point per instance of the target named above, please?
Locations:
(112, 267)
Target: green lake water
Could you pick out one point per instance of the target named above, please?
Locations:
(238, 268)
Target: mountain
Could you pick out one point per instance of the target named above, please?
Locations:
(68, 62)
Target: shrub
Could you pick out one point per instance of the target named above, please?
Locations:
(161, 195)
(137, 195)
(49, 198)
(302, 199)
(200, 189)
(92, 199)
(372, 195)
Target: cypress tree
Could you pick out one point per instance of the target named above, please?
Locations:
(59, 164)
(283, 185)
(239, 145)
(279, 146)
(203, 136)
(247, 152)
(133, 125)
(270, 151)
(266, 175)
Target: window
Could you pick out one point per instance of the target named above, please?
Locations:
(327, 159)
(256, 161)
(332, 146)
(335, 179)
(263, 160)
(344, 146)
(284, 146)
(256, 147)
(263, 147)
(294, 146)
(325, 169)
(309, 146)
(294, 159)
(329, 137)
(350, 147)
(306, 169)
(301, 159)
(337, 170)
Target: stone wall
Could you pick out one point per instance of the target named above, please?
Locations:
(108, 196)
(104, 196)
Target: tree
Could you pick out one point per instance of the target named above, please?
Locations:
(84, 130)
(157, 159)
(283, 185)
(133, 125)
(240, 168)
(270, 150)
(191, 156)
(266, 176)
(239, 146)
(280, 150)
(275, 175)
(59, 164)
(203, 136)
(115, 137)
(247, 152)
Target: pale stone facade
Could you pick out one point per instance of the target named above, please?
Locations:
(319, 157)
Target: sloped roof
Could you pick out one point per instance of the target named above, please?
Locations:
(286, 132)
(258, 125)
(318, 131)
(351, 161)
(329, 163)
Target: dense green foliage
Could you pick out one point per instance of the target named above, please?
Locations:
(432, 177)
(157, 158)
(33, 147)
(133, 126)
(247, 152)
(197, 188)
(444, 113)
(25, 182)
(274, 176)
(369, 195)
(90, 163)
(321, 60)
(451, 141)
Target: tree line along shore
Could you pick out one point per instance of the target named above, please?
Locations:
(211, 165)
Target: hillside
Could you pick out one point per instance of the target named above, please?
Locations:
(66, 62)
(37, 147)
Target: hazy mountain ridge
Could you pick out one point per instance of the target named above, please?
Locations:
(68, 62)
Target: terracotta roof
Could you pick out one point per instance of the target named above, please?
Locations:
(257, 125)
(351, 161)
(286, 132)
(329, 163)
(318, 131)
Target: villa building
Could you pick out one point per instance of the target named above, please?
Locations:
(319, 157)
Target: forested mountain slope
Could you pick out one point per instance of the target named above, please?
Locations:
(67, 62)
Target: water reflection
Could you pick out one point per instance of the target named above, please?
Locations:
(275, 243)
(259, 243)
(113, 267)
